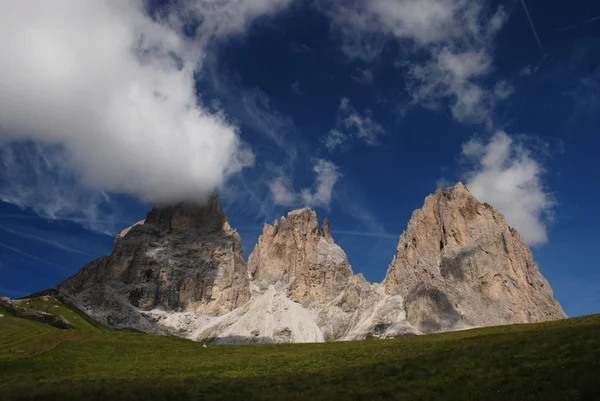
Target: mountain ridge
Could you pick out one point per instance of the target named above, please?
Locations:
(181, 272)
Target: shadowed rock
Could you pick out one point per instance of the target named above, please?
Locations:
(180, 258)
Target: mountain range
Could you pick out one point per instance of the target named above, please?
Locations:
(181, 272)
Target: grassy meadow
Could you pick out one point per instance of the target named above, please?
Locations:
(548, 361)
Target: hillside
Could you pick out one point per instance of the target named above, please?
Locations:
(543, 361)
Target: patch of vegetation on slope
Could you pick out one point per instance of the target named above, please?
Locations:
(46, 308)
(548, 361)
(50, 304)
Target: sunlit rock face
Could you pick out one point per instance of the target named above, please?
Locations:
(297, 253)
(459, 264)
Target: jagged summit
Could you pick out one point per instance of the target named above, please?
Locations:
(459, 186)
(459, 264)
(182, 257)
(297, 253)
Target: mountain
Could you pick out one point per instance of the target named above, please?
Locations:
(459, 265)
(181, 272)
(182, 258)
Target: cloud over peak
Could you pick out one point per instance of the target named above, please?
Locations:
(504, 173)
(114, 90)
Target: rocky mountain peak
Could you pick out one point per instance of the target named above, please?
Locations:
(295, 252)
(459, 264)
(184, 257)
(208, 216)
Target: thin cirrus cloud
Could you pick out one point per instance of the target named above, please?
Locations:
(30, 256)
(39, 177)
(113, 90)
(43, 239)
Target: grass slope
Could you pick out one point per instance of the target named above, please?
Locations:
(548, 361)
(50, 304)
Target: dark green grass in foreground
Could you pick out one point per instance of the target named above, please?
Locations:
(549, 361)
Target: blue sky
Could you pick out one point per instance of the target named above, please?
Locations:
(357, 109)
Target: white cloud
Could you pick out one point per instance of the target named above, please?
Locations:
(334, 139)
(447, 43)
(505, 175)
(281, 191)
(327, 175)
(114, 89)
(352, 125)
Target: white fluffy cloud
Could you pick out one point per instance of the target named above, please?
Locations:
(449, 39)
(352, 125)
(505, 175)
(114, 89)
(327, 175)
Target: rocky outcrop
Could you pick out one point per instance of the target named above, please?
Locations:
(180, 258)
(459, 265)
(298, 254)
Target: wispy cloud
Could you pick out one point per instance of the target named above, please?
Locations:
(327, 175)
(352, 125)
(300, 48)
(30, 256)
(367, 234)
(364, 76)
(44, 239)
(282, 192)
(39, 177)
(533, 29)
(446, 45)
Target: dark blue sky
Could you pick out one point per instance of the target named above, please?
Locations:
(282, 81)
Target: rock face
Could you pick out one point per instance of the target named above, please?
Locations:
(181, 258)
(460, 265)
(181, 272)
(301, 259)
(298, 254)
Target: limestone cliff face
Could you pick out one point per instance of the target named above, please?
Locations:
(180, 258)
(459, 264)
(296, 253)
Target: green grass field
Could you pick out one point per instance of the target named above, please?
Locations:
(548, 361)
